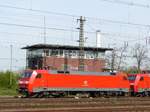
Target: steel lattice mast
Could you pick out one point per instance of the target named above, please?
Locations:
(81, 44)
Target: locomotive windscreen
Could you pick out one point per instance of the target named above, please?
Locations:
(26, 74)
(131, 77)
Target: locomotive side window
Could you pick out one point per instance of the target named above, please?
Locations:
(38, 76)
(124, 78)
(142, 78)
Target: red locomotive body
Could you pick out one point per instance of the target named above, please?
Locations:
(58, 82)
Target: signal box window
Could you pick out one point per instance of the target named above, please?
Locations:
(38, 76)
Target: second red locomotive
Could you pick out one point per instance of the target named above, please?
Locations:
(139, 84)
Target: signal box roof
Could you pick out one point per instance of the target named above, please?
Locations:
(65, 47)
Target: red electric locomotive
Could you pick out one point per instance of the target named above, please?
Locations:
(41, 83)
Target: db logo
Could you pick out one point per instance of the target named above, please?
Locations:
(85, 83)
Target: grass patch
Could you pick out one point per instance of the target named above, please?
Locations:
(7, 92)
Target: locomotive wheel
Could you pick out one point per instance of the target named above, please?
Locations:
(96, 94)
(126, 94)
(25, 95)
(58, 94)
(82, 95)
(40, 95)
(78, 95)
(139, 95)
(146, 93)
(101, 94)
(35, 95)
(87, 95)
(46, 94)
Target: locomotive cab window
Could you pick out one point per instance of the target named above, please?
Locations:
(38, 76)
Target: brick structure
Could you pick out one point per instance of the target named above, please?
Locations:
(62, 57)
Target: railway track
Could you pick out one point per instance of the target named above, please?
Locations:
(121, 104)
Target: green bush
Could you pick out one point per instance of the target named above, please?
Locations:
(8, 82)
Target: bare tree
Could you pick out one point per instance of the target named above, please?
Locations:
(111, 59)
(116, 58)
(121, 55)
(140, 54)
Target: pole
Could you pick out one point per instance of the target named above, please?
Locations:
(66, 61)
(44, 59)
(44, 30)
(10, 75)
(81, 44)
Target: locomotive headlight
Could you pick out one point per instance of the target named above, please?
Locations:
(26, 82)
(20, 82)
(23, 82)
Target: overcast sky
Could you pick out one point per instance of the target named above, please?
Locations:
(20, 27)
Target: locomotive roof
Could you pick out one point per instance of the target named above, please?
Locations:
(65, 47)
(81, 72)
